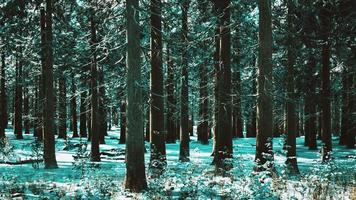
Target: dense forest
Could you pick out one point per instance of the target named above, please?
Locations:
(177, 99)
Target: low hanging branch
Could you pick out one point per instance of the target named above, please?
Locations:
(21, 162)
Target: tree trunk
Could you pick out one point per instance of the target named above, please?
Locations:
(3, 108)
(252, 126)
(135, 178)
(223, 137)
(95, 152)
(291, 128)
(310, 106)
(18, 98)
(264, 152)
(102, 109)
(26, 111)
(49, 141)
(171, 129)
(326, 91)
(83, 114)
(73, 104)
(62, 108)
(122, 123)
(158, 148)
(184, 107)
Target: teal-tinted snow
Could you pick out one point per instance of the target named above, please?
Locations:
(194, 180)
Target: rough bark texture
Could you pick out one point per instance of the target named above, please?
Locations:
(62, 108)
(18, 99)
(310, 106)
(158, 147)
(291, 128)
(223, 137)
(83, 115)
(184, 107)
(73, 108)
(48, 136)
(122, 123)
(135, 178)
(26, 110)
(171, 124)
(95, 153)
(264, 138)
(102, 110)
(3, 112)
(203, 124)
(326, 91)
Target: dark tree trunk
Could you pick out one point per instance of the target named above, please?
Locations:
(351, 131)
(345, 115)
(252, 126)
(83, 114)
(236, 112)
(95, 125)
(171, 129)
(73, 105)
(102, 110)
(223, 137)
(326, 91)
(18, 99)
(122, 123)
(310, 106)
(26, 110)
(184, 107)
(135, 178)
(291, 128)
(3, 108)
(158, 148)
(62, 108)
(48, 119)
(264, 152)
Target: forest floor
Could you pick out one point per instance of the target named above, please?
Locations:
(78, 178)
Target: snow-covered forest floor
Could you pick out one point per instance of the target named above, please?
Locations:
(77, 178)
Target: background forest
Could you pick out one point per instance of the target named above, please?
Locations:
(176, 99)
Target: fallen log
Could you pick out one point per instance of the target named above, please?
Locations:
(20, 162)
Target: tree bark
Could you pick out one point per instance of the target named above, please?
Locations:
(135, 178)
(18, 98)
(291, 128)
(158, 148)
(95, 152)
(122, 123)
(171, 125)
(62, 108)
(83, 114)
(73, 105)
(184, 107)
(48, 119)
(3, 108)
(264, 152)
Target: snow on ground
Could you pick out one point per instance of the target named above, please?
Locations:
(80, 179)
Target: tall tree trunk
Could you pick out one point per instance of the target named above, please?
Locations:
(122, 123)
(203, 125)
(310, 106)
(291, 128)
(171, 129)
(26, 110)
(18, 98)
(83, 114)
(326, 91)
(158, 148)
(3, 108)
(135, 178)
(95, 152)
(184, 107)
(351, 131)
(264, 152)
(48, 136)
(73, 105)
(102, 110)
(62, 108)
(223, 137)
(252, 126)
